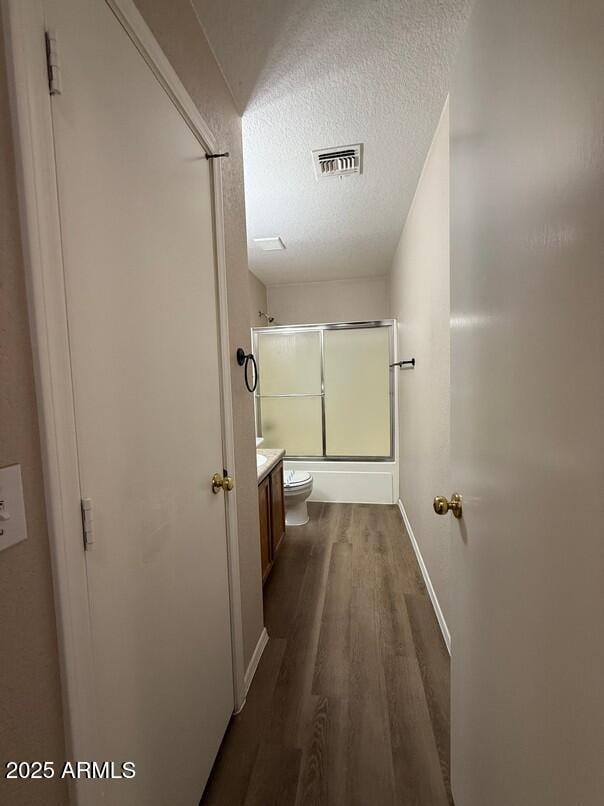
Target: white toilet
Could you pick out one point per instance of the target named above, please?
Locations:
(297, 487)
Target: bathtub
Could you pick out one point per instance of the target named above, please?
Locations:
(355, 482)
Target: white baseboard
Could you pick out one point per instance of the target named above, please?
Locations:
(252, 666)
(431, 592)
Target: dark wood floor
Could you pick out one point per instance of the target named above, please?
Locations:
(350, 703)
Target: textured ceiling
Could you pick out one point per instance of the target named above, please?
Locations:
(318, 73)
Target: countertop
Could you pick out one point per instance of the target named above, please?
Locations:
(273, 456)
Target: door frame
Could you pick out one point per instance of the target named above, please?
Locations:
(24, 24)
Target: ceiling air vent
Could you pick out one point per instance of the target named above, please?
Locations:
(340, 161)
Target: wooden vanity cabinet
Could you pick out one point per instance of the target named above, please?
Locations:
(271, 506)
(277, 508)
(264, 507)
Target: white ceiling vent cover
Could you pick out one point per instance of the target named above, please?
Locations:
(340, 161)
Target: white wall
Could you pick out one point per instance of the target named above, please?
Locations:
(331, 301)
(258, 300)
(419, 299)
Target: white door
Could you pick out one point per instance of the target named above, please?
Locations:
(527, 376)
(135, 204)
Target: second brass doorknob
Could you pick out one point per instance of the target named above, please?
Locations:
(224, 482)
(442, 506)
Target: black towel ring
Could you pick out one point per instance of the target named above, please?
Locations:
(244, 360)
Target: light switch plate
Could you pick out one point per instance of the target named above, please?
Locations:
(13, 528)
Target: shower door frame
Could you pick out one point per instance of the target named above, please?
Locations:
(321, 327)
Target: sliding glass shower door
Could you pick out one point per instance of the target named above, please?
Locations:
(290, 391)
(325, 391)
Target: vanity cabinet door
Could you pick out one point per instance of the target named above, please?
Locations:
(264, 506)
(277, 508)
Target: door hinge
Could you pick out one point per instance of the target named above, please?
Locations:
(52, 63)
(87, 522)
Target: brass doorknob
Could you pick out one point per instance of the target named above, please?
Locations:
(442, 506)
(224, 482)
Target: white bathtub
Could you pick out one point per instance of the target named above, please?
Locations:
(350, 482)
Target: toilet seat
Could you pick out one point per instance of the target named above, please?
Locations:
(295, 479)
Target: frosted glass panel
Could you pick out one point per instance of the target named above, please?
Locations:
(357, 392)
(289, 364)
(293, 423)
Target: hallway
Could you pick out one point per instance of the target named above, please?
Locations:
(350, 702)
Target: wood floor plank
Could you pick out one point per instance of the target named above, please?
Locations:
(434, 664)
(371, 777)
(333, 519)
(294, 683)
(338, 738)
(323, 773)
(345, 523)
(409, 574)
(274, 781)
(365, 544)
(232, 771)
(312, 787)
(395, 632)
(417, 772)
(282, 589)
(332, 667)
